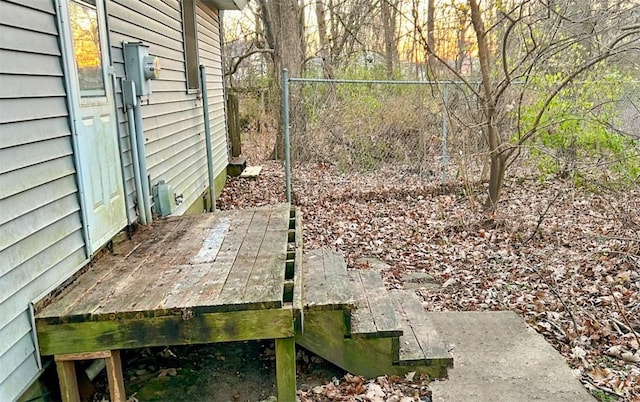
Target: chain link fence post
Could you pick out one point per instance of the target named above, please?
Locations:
(285, 123)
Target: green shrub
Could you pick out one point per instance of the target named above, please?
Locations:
(576, 136)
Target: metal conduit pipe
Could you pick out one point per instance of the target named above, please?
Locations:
(130, 86)
(142, 161)
(207, 137)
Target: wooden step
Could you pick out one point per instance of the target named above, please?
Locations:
(326, 283)
(374, 315)
(236, 166)
(420, 343)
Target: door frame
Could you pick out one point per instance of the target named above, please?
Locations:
(74, 102)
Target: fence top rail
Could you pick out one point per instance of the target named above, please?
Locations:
(404, 82)
(393, 82)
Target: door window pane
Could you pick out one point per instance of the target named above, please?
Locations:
(86, 46)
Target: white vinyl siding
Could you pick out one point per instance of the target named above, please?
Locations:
(172, 117)
(41, 240)
(211, 57)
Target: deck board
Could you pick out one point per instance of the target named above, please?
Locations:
(315, 290)
(234, 288)
(374, 314)
(327, 286)
(118, 270)
(210, 285)
(232, 260)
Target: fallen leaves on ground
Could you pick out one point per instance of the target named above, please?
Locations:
(353, 388)
(566, 258)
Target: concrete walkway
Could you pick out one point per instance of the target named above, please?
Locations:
(498, 357)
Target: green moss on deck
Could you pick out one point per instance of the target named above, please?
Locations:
(56, 339)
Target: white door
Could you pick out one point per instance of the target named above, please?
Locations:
(99, 167)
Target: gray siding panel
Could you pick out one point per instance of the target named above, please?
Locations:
(38, 5)
(173, 120)
(53, 265)
(23, 203)
(28, 41)
(20, 376)
(20, 228)
(36, 244)
(25, 109)
(41, 240)
(16, 15)
(30, 63)
(26, 132)
(34, 176)
(15, 330)
(15, 158)
(16, 355)
(15, 86)
(211, 56)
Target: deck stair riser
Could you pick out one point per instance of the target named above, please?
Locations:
(352, 320)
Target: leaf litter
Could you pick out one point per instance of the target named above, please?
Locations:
(566, 258)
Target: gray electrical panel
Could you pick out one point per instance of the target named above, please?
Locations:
(140, 67)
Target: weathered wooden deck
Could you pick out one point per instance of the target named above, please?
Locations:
(209, 278)
(233, 276)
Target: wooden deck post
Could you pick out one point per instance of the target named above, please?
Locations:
(116, 381)
(68, 380)
(286, 369)
(66, 366)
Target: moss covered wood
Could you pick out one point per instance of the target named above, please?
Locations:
(180, 329)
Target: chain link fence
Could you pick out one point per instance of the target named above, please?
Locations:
(378, 125)
(425, 130)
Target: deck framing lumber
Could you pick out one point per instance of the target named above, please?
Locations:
(116, 379)
(286, 369)
(182, 329)
(68, 380)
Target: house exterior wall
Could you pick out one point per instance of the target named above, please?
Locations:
(172, 118)
(209, 48)
(41, 240)
(41, 233)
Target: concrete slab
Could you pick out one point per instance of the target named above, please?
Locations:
(498, 357)
(251, 172)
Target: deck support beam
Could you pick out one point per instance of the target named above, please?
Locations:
(286, 369)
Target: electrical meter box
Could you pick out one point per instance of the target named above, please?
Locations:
(163, 199)
(140, 67)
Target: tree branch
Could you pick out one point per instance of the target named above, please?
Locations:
(235, 61)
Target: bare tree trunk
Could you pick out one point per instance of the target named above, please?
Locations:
(284, 31)
(388, 25)
(325, 51)
(324, 40)
(498, 160)
(431, 24)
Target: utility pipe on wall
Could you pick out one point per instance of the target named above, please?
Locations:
(129, 92)
(207, 136)
(142, 160)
